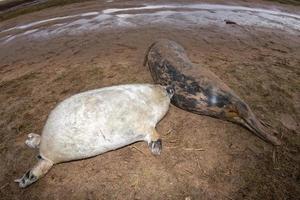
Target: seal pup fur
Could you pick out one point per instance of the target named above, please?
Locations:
(93, 122)
(199, 90)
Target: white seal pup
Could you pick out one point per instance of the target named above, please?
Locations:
(93, 122)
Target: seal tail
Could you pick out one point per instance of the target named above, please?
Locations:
(253, 124)
(32, 175)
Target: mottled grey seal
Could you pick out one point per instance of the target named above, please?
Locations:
(199, 90)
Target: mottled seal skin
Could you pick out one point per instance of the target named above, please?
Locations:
(96, 121)
(199, 90)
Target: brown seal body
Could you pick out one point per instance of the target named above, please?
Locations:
(199, 90)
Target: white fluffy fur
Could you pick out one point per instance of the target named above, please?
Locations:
(97, 121)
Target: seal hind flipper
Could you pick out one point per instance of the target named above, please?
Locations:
(198, 90)
(32, 175)
(255, 125)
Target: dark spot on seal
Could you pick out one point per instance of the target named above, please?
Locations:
(170, 76)
(170, 90)
(32, 177)
(185, 82)
(173, 73)
(27, 175)
(216, 98)
(184, 101)
(222, 101)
